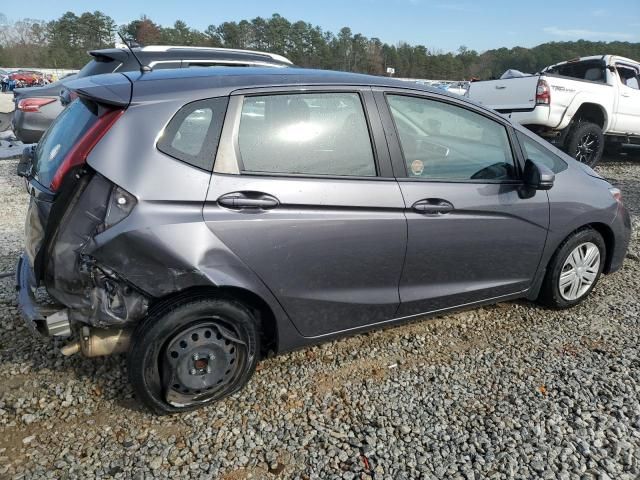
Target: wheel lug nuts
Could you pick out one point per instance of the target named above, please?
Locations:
(208, 369)
(192, 371)
(195, 356)
(211, 356)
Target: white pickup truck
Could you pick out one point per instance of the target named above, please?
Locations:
(581, 106)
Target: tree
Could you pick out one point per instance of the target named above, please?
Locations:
(63, 43)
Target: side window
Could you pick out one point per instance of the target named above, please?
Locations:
(193, 133)
(445, 142)
(534, 151)
(628, 76)
(305, 133)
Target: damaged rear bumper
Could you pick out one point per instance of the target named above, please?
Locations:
(29, 308)
(42, 319)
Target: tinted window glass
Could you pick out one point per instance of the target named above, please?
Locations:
(444, 142)
(61, 136)
(534, 151)
(193, 133)
(190, 135)
(99, 66)
(310, 133)
(628, 76)
(593, 70)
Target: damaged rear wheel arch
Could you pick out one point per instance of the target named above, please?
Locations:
(260, 309)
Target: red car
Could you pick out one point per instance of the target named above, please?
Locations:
(28, 77)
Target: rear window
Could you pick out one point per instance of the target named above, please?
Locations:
(592, 70)
(61, 136)
(99, 66)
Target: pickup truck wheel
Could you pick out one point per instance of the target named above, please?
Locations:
(193, 353)
(586, 143)
(573, 270)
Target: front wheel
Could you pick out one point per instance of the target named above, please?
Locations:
(574, 270)
(586, 143)
(186, 355)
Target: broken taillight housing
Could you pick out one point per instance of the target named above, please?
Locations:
(80, 151)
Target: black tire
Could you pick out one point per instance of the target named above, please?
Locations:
(550, 294)
(579, 144)
(162, 356)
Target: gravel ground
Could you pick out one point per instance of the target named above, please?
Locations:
(509, 391)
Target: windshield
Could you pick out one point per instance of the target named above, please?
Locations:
(61, 136)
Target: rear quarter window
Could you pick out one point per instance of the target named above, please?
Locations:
(193, 133)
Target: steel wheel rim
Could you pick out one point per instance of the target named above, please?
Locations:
(587, 148)
(579, 271)
(212, 342)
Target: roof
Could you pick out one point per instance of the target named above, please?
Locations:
(606, 58)
(248, 77)
(191, 84)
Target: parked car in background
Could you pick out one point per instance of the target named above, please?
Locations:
(581, 106)
(37, 107)
(202, 219)
(26, 77)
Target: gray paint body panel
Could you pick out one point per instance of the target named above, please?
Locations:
(330, 258)
(331, 251)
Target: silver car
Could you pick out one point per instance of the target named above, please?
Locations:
(200, 220)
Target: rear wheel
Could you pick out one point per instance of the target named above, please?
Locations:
(586, 143)
(574, 270)
(187, 355)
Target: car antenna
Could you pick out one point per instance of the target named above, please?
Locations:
(143, 68)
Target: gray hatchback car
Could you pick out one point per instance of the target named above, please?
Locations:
(200, 220)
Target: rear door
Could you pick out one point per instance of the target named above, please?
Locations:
(510, 94)
(473, 233)
(303, 193)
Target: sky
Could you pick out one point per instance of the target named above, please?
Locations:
(437, 24)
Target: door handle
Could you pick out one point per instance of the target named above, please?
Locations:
(625, 95)
(248, 200)
(500, 87)
(433, 206)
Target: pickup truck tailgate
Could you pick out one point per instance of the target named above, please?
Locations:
(506, 95)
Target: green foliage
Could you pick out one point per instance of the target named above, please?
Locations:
(63, 43)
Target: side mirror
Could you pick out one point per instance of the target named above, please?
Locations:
(538, 176)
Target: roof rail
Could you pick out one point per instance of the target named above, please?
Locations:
(165, 48)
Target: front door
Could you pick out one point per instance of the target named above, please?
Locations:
(472, 233)
(303, 196)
